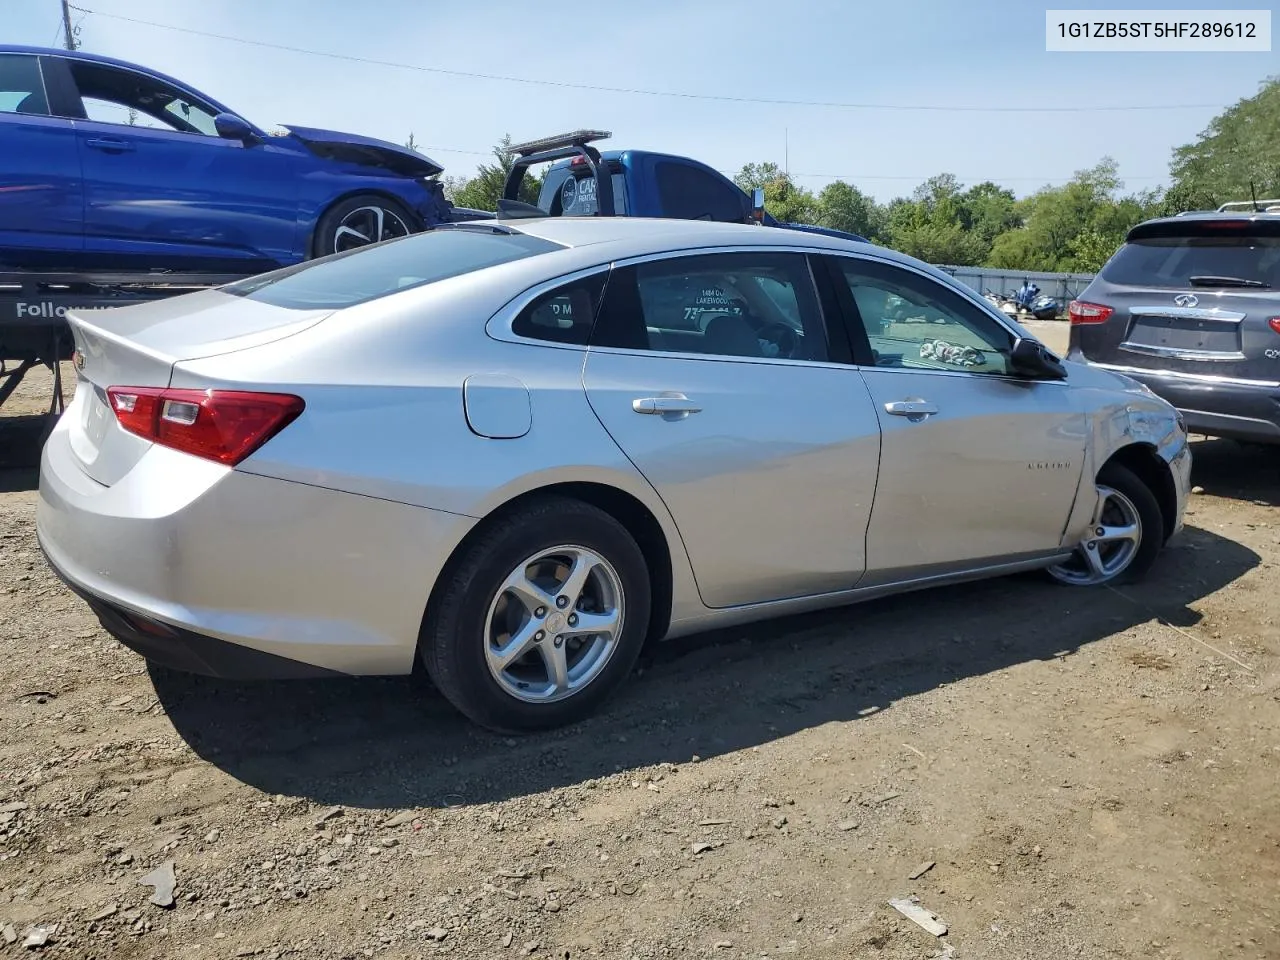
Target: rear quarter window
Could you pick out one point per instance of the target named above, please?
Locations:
(21, 87)
(367, 273)
(1174, 261)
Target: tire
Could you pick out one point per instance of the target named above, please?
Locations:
(330, 237)
(456, 639)
(1150, 522)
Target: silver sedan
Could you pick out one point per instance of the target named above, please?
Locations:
(518, 450)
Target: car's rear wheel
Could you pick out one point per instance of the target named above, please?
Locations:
(359, 221)
(540, 619)
(1124, 537)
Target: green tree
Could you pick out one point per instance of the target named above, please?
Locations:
(1066, 227)
(782, 199)
(930, 225)
(988, 210)
(483, 190)
(842, 206)
(1238, 152)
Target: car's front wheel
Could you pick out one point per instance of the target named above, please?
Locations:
(539, 619)
(1124, 537)
(359, 221)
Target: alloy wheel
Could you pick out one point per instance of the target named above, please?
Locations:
(554, 623)
(365, 225)
(1108, 547)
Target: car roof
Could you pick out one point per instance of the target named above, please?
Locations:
(656, 231)
(112, 62)
(1178, 222)
(616, 237)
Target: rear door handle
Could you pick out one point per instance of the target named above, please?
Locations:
(914, 409)
(109, 144)
(678, 405)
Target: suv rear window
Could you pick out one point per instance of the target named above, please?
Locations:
(366, 273)
(1174, 261)
(572, 193)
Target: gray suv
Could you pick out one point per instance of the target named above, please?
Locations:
(1190, 306)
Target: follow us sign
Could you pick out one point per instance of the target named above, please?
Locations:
(1155, 31)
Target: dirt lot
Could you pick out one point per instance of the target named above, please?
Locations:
(1090, 774)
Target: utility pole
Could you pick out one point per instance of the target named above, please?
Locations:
(66, 26)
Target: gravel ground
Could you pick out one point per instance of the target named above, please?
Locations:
(1084, 774)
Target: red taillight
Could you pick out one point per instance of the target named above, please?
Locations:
(221, 425)
(1082, 312)
(1274, 324)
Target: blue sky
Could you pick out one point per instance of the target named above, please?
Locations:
(911, 52)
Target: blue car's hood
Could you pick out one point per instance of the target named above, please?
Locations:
(352, 148)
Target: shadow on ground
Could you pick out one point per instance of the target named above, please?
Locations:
(1228, 469)
(18, 480)
(20, 440)
(394, 743)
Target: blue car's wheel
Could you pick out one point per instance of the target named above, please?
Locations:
(360, 220)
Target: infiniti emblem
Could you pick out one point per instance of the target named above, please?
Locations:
(1186, 299)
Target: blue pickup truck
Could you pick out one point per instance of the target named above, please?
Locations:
(584, 181)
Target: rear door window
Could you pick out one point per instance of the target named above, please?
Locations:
(1198, 261)
(21, 87)
(756, 305)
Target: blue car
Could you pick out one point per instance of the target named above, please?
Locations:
(108, 165)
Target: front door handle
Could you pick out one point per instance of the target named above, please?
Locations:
(675, 405)
(109, 144)
(912, 409)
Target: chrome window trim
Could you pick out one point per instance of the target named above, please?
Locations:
(500, 324)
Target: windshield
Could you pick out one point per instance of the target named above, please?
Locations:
(1174, 261)
(378, 270)
(572, 193)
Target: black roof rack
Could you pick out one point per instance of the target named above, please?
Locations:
(545, 150)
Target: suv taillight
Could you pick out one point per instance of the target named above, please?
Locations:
(1083, 312)
(220, 425)
(1274, 324)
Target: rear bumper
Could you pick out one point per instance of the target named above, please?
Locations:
(1215, 406)
(223, 572)
(179, 649)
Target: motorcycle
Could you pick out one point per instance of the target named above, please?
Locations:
(1006, 304)
(1028, 299)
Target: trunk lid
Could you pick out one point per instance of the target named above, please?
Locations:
(138, 345)
(1193, 296)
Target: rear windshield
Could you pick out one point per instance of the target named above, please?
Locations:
(1174, 261)
(572, 193)
(367, 273)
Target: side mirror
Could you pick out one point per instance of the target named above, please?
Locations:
(1030, 359)
(757, 204)
(231, 127)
